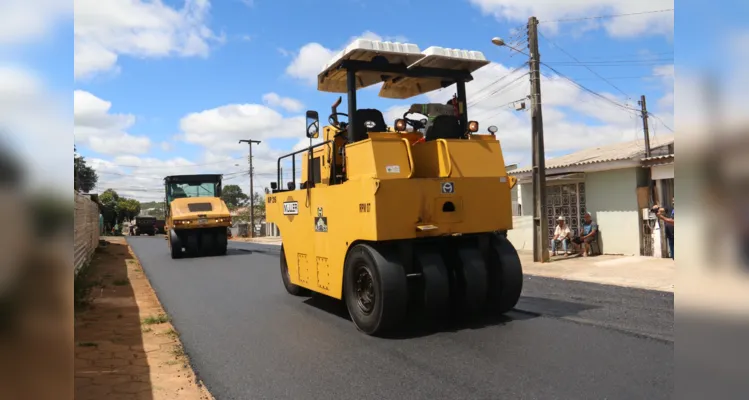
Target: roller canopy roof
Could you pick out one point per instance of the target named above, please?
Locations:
(410, 72)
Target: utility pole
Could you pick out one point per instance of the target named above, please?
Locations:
(644, 108)
(540, 219)
(646, 132)
(252, 190)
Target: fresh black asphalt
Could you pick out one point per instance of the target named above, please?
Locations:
(248, 339)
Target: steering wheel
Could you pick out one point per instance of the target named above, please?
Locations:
(416, 124)
(334, 121)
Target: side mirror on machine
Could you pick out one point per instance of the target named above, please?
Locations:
(313, 124)
(493, 129)
(273, 185)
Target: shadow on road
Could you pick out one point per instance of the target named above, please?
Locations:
(109, 355)
(416, 325)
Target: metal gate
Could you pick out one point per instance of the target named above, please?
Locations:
(566, 200)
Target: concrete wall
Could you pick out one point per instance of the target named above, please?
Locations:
(612, 200)
(521, 234)
(86, 230)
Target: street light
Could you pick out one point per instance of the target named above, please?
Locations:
(498, 41)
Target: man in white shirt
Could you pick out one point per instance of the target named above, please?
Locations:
(562, 234)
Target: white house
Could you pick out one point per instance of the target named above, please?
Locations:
(610, 182)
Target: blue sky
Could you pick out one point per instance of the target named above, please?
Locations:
(163, 86)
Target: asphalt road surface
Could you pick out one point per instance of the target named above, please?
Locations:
(248, 339)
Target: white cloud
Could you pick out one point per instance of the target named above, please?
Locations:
(166, 146)
(102, 131)
(666, 72)
(309, 60)
(22, 21)
(220, 129)
(652, 23)
(105, 29)
(287, 103)
(35, 125)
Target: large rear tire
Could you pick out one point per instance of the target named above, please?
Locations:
(505, 275)
(472, 276)
(291, 288)
(221, 242)
(375, 289)
(175, 245)
(207, 244)
(192, 244)
(436, 282)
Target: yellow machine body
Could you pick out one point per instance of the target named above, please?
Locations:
(180, 216)
(395, 190)
(197, 219)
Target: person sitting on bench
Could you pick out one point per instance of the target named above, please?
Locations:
(588, 236)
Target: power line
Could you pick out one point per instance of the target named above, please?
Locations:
(661, 121)
(496, 91)
(588, 68)
(608, 16)
(616, 103)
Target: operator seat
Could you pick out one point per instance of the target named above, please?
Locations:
(362, 117)
(444, 127)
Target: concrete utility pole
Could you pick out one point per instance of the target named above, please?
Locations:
(252, 190)
(540, 219)
(644, 113)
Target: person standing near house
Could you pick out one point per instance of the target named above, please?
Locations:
(588, 236)
(561, 234)
(669, 225)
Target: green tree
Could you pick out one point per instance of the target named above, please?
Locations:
(109, 199)
(233, 196)
(84, 176)
(259, 201)
(127, 209)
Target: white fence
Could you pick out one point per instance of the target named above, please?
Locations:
(86, 231)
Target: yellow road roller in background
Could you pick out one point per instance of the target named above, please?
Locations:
(196, 217)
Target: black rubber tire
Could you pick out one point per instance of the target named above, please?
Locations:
(207, 244)
(221, 242)
(472, 275)
(175, 246)
(389, 286)
(291, 288)
(436, 282)
(505, 275)
(191, 245)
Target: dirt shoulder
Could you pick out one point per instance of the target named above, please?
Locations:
(125, 346)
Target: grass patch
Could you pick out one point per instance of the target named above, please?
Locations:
(146, 329)
(82, 286)
(158, 319)
(171, 333)
(87, 344)
(178, 351)
(172, 362)
(121, 282)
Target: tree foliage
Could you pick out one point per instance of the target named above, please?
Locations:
(233, 196)
(116, 209)
(84, 176)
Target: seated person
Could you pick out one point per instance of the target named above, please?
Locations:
(562, 234)
(588, 236)
(432, 111)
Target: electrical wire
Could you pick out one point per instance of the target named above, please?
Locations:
(607, 16)
(588, 68)
(580, 86)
